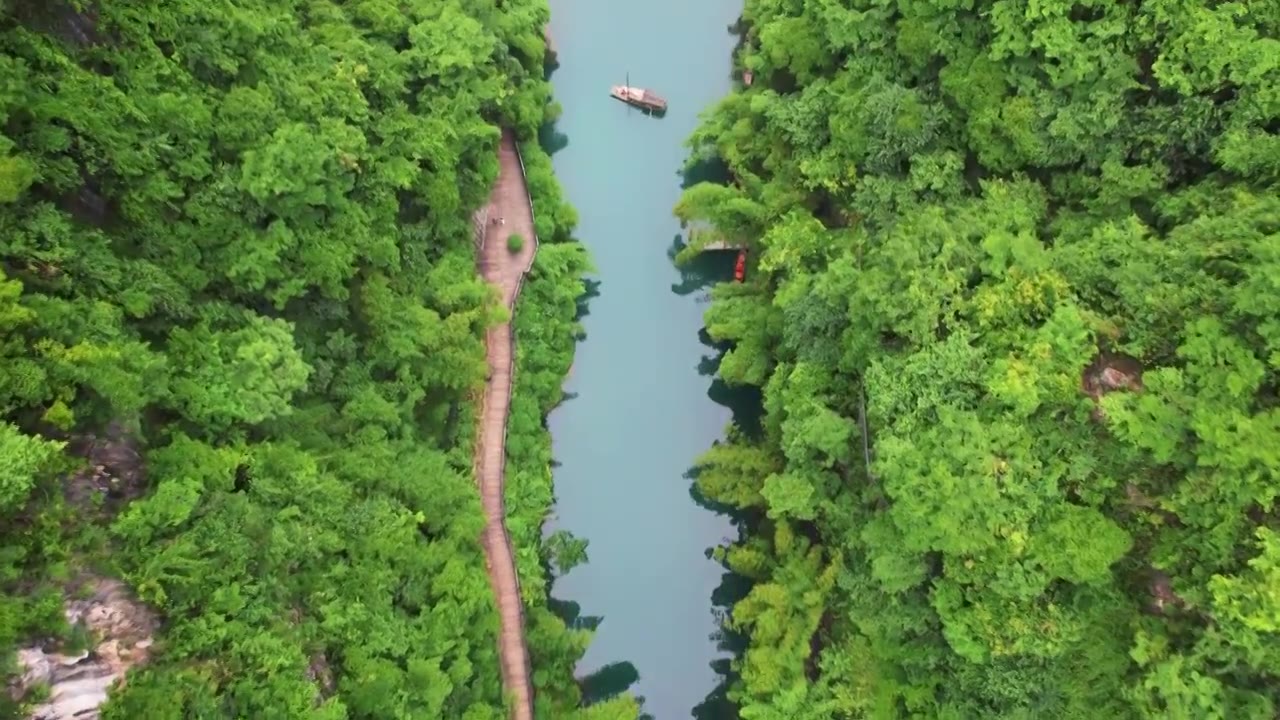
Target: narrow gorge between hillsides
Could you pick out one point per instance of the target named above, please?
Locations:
(642, 400)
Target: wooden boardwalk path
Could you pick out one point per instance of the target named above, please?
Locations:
(505, 270)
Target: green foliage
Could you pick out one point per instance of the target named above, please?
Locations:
(243, 234)
(565, 551)
(515, 243)
(245, 376)
(22, 459)
(1016, 328)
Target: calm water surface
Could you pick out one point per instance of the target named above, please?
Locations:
(642, 413)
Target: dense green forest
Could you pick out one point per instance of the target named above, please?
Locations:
(1014, 306)
(236, 241)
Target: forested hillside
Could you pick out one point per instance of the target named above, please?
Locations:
(236, 241)
(1014, 305)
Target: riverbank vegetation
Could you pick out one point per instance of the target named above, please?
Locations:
(1013, 307)
(546, 332)
(237, 253)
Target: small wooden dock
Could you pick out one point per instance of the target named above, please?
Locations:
(716, 245)
(639, 97)
(703, 239)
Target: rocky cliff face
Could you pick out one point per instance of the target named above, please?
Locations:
(121, 632)
(118, 627)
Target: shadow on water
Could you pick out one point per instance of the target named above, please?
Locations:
(739, 29)
(551, 139)
(550, 63)
(549, 136)
(590, 291)
(732, 588)
(611, 681)
(711, 169)
(745, 402)
(570, 613)
(607, 682)
(717, 705)
(655, 114)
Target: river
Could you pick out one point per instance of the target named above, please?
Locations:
(640, 412)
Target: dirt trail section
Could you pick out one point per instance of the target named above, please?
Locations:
(509, 212)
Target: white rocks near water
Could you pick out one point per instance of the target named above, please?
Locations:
(121, 628)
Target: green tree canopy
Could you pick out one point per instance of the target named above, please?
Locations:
(1016, 329)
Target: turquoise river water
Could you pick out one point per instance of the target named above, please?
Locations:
(640, 410)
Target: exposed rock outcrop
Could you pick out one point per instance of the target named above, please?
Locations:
(120, 629)
(115, 469)
(1163, 598)
(321, 674)
(1108, 373)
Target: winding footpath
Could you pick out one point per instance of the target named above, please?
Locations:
(509, 212)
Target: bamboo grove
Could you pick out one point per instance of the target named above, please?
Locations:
(1014, 308)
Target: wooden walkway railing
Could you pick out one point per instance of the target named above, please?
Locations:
(510, 211)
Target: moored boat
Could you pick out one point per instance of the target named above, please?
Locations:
(639, 97)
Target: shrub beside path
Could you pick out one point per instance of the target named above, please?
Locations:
(505, 270)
